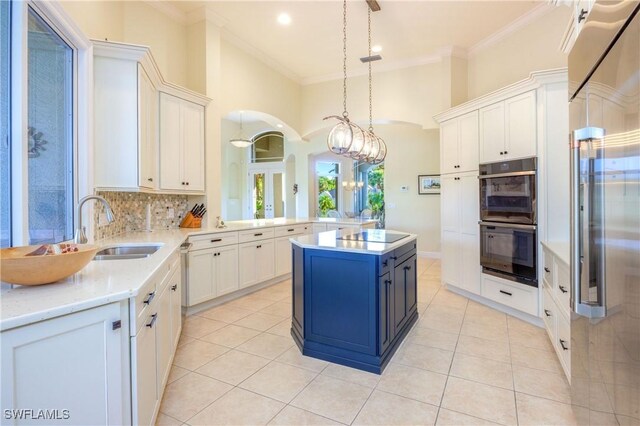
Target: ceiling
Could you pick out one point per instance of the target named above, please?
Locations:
(310, 48)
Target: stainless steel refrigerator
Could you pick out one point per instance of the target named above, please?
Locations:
(604, 93)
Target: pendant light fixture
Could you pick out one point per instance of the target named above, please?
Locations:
(241, 141)
(341, 136)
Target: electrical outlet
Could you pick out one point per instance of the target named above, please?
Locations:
(404, 188)
(171, 213)
(102, 219)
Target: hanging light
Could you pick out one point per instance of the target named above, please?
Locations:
(241, 141)
(375, 149)
(341, 136)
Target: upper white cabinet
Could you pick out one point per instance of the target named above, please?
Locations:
(127, 133)
(74, 363)
(125, 107)
(459, 144)
(508, 129)
(181, 144)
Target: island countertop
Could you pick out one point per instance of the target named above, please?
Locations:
(330, 240)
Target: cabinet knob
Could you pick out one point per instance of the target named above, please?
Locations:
(505, 153)
(187, 183)
(501, 153)
(183, 183)
(259, 246)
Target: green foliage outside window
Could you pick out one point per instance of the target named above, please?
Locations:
(375, 193)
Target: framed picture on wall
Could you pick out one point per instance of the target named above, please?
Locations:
(428, 184)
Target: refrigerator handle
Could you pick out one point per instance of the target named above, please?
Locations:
(582, 247)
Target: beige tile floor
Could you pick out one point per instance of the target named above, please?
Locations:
(462, 364)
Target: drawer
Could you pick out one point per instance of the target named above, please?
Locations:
(562, 287)
(282, 231)
(144, 302)
(563, 342)
(213, 240)
(256, 235)
(409, 248)
(166, 269)
(517, 296)
(549, 314)
(547, 277)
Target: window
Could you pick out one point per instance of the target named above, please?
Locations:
(328, 181)
(5, 147)
(372, 195)
(267, 147)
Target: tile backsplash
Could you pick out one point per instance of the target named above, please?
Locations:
(130, 210)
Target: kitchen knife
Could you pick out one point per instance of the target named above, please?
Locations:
(201, 214)
(198, 210)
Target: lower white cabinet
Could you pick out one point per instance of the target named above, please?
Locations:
(212, 272)
(144, 383)
(517, 296)
(72, 363)
(283, 256)
(258, 262)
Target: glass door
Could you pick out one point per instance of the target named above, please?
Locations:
(267, 198)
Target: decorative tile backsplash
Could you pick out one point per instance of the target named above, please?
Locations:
(130, 210)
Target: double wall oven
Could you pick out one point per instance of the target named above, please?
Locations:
(508, 220)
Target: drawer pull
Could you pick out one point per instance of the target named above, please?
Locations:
(506, 292)
(385, 263)
(547, 270)
(564, 348)
(154, 317)
(174, 287)
(406, 268)
(217, 240)
(562, 289)
(259, 246)
(547, 312)
(387, 282)
(151, 296)
(257, 235)
(394, 258)
(291, 230)
(116, 325)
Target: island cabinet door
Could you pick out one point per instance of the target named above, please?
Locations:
(404, 291)
(385, 309)
(297, 321)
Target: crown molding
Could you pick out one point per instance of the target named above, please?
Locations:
(168, 9)
(521, 22)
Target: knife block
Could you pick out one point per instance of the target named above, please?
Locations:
(190, 221)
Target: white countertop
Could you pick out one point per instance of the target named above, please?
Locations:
(107, 281)
(329, 241)
(562, 249)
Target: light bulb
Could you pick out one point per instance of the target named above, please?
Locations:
(340, 137)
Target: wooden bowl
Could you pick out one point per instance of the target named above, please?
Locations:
(18, 268)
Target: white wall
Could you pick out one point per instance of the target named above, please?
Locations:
(531, 48)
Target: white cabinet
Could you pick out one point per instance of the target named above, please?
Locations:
(258, 262)
(508, 129)
(460, 231)
(144, 372)
(212, 272)
(73, 362)
(181, 144)
(517, 296)
(125, 122)
(164, 341)
(459, 144)
(175, 286)
(282, 256)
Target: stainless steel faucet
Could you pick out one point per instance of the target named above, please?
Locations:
(81, 236)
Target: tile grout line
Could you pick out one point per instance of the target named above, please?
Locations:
(513, 376)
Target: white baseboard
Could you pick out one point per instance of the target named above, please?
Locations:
(531, 319)
(429, 254)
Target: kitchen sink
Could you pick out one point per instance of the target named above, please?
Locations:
(127, 251)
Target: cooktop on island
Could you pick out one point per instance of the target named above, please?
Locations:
(376, 236)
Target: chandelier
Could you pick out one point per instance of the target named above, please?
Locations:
(347, 138)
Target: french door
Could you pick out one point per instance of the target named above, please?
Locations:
(267, 193)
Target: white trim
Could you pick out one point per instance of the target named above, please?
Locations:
(521, 22)
(537, 321)
(429, 254)
(168, 9)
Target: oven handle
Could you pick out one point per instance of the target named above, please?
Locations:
(508, 225)
(499, 175)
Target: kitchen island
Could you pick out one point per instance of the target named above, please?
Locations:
(354, 295)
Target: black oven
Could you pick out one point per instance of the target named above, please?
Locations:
(508, 191)
(509, 251)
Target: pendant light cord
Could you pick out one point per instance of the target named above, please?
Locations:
(345, 114)
(370, 98)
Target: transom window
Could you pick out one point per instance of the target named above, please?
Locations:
(267, 147)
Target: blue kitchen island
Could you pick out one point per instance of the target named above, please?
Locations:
(354, 295)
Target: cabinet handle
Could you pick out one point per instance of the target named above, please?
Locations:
(154, 317)
(150, 179)
(582, 16)
(217, 240)
(562, 289)
(547, 270)
(387, 282)
(291, 230)
(151, 296)
(257, 235)
(564, 348)
(394, 258)
(547, 312)
(174, 287)
(259, 246)
(506, 292)
(116, 325)
(406, 268)
(385, 263)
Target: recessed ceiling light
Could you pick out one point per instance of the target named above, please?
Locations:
(376, 49)
(284, 19)
(279, 126)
